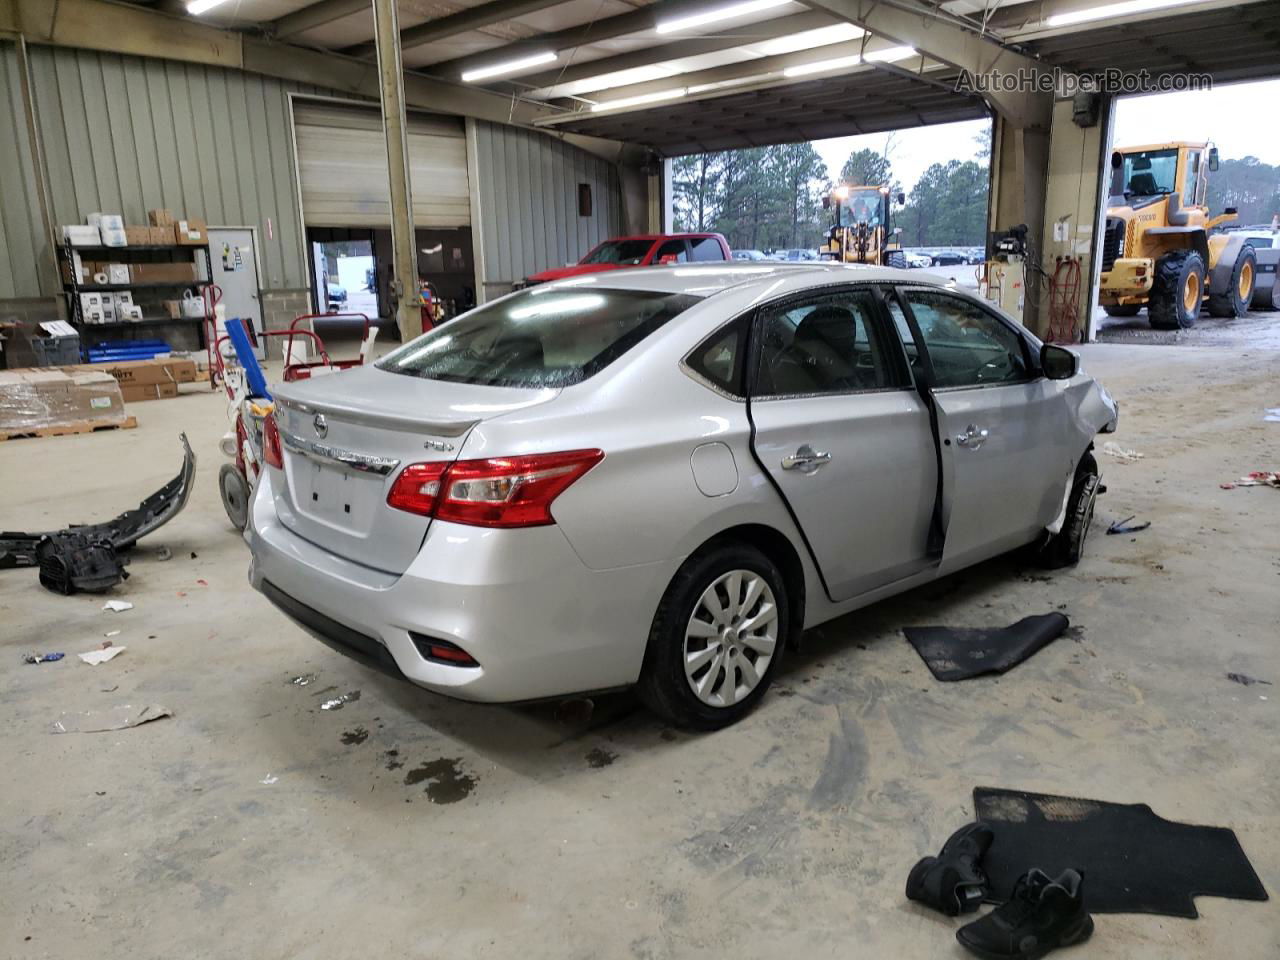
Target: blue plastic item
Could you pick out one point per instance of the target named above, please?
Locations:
(238, 334)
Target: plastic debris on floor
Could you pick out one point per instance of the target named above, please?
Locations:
(1113, 449)
(95, 657)
(43, 657)
(117, 606)
(114, 718)
(1259, 478)
(337, 703)
(1123, 526)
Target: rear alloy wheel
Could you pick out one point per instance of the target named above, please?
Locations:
(1177, 291)
(235, 495)
(1066, 547)
(1235, 301)
(717, 638)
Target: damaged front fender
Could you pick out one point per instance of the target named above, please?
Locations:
(88, 557)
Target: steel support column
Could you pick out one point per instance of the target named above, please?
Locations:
(404, 253)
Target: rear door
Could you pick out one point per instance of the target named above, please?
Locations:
(1003, 427)
(843, 435)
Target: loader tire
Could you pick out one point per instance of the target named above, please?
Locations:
(1265, 299)
(1235, 300)
(1178, 291)
(1122, 309)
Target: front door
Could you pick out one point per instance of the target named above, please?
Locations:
(844, 436)
(1005, 456)
(235, 271)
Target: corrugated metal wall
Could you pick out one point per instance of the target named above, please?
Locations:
(125, 134)
(527, 188)
(21, 232)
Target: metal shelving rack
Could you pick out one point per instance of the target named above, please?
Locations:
(73, 288)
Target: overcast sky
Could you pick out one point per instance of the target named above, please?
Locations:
(1239, 118)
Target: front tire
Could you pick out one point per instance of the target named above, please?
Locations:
(1235, 300)
(1066, 547)
(1177, 292)
(717, 638)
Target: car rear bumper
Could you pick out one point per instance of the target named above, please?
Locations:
(538, 621)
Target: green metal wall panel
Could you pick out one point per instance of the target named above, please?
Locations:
(21, 231)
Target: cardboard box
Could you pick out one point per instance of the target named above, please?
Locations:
(90, 301)
(117, 273)
(55, 396)
(175, 273)
(161, 236)
(137, 392)
(82, 235)
(173, 308)
(148, 373)
(160, 218)
(138, 236)
(78, 271)
(191, 232)
(111, 229)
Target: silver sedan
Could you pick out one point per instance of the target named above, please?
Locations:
(661, 477)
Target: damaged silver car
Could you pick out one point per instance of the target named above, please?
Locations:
(661, 477)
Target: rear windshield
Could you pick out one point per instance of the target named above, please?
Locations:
(541, 337)
(630, 252)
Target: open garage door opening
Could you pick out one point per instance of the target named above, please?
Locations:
(1191, 218)
(342, 173)
(915, 198)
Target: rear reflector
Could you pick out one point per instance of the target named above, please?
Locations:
(271, 449)
(443, 651)
(498, 492)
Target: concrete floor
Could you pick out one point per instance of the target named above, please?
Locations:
(254, 824)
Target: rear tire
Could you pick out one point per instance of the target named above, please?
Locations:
(1123, 309)
(1177, 291)
(1264, 299)
(897, 259)
(1065, 548)
(704, 672)
(235, 495)
(1235, 300)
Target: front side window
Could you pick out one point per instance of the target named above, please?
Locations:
(672, 248)
(626, 252)
(968, 347)
(824, 344)
(541, 337)
(706, 248)
(1150, 173)
(1193, 178)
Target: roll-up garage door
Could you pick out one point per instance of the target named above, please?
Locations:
(342, 164)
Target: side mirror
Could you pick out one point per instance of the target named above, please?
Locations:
(1058, 363)
(902, 199)
(1213, 159)
(1231, 210)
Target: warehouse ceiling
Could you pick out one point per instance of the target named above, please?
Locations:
(681, 76)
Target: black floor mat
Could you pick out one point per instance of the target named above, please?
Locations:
(960, 653)
(1133, 860)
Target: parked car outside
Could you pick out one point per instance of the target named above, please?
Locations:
(749, 255)
(337, 296)
(586, 486)
(641, 251)
(917, 259)
(949, 258)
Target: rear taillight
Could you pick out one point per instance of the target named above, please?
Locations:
(499, 492)
(271, 450)
(417, 488)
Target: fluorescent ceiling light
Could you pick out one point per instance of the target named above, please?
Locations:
(891, 54)
(1113, 10)
(718, 14)
(197, 7)
(808, 39)
(509, 66)
(804, 69)
(638, 100)
(619, 78)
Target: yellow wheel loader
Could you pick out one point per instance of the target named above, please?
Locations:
(1159, 250)
(861, 232)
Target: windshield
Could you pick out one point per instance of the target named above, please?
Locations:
(1146, 174)
(630, 252)
(541, 337)
(862, 206)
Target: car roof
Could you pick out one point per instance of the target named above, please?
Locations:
(709, 278)
(657, 236)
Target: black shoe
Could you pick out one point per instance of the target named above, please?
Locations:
(1043, 914)
(953, 881)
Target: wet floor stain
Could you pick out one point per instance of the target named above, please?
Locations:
(337, 703)
(302, 680)
(446, 783)
(600, 757)
(355, 737)
(393, 759)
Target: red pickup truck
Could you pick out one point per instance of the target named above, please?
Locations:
(641, 251)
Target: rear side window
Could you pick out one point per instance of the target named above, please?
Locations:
(629, 252)
(968, 347)
(706, 248)
(672, 248)
(718, 359)
(543, 337)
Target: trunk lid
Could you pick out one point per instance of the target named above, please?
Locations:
(346, 437)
